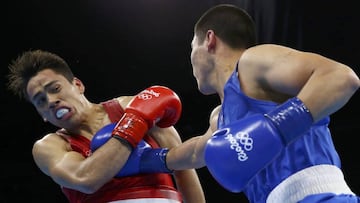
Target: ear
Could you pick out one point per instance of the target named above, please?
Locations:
(211, 40)
(77, 82)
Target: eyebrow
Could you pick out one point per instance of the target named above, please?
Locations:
(45, 87)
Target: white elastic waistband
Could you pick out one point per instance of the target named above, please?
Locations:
(312, 180)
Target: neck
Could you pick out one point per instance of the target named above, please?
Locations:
(92, 120)
(226, 65)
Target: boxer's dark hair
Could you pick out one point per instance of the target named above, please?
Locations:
(29, 63)
(231, 24)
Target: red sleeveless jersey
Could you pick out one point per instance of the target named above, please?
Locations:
(156, 185)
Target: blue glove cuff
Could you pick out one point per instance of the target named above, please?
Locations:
(154, 161)
(292, 119)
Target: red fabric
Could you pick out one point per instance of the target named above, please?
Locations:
(138, 186)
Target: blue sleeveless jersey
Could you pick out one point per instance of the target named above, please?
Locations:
(313, 148)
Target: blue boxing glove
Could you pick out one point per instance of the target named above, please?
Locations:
(143, 158)
(101, 136)
(250, 144)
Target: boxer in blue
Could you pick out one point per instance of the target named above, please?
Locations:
(269, 138)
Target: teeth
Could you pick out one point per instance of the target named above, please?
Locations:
(61, 112)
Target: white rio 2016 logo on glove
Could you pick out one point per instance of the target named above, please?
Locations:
(245, 141)
(147, 94)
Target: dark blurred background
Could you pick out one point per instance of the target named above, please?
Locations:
(120, 47)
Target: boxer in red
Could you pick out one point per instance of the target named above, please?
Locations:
(46, 81)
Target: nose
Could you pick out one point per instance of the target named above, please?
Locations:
(53, 100)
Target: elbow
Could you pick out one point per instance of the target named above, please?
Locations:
(89, 190)
(81, 185)
(87, 184)
(344, 79)
(85, 181)
(88, 187)
(352, 80)
(356, 83)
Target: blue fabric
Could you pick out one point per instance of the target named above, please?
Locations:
(291, 118)
(143, 158)
(313, 148)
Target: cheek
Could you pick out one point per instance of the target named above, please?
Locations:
(195, 64)
(195, 58)
(44, 114)
(199, 60)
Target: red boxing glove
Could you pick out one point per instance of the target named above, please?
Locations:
(155, 105)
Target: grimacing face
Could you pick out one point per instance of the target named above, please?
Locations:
(55, 98)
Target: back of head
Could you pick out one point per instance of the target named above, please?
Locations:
(29, 63)
(232, 25)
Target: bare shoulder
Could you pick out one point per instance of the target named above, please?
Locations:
(267, 53)
(214, 118)
(46, 150)
(268, 47)
(124, 100)
(49, 140)
(215, 111)
(261, 60)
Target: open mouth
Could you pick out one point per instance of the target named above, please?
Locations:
(61, 112)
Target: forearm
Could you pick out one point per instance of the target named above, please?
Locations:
(101, 166)
(188, 155)
(323, 97)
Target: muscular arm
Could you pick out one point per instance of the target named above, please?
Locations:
(324, 85)
(54, 157)
(190, 154)
(187, 181)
